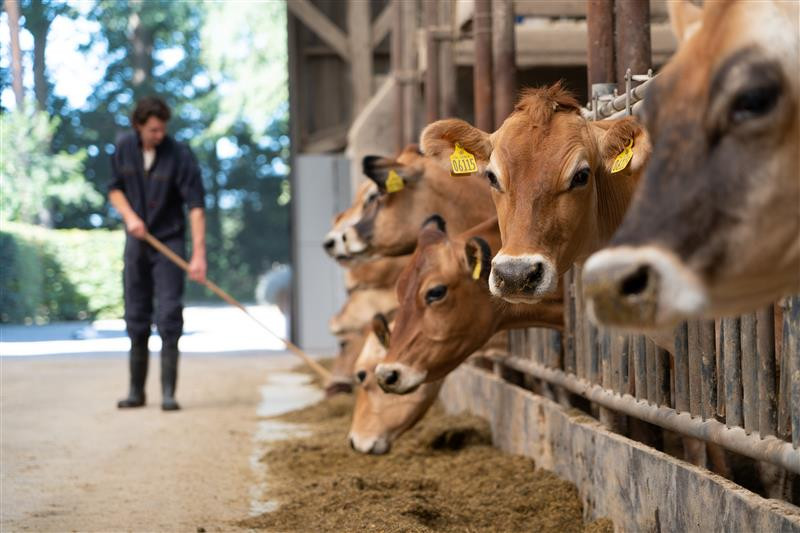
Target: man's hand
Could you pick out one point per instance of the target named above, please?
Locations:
(197, 268)
(135, 226)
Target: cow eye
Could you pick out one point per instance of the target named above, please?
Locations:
(754, 102)
(492, 177)
(435, 294)
(371, 198)
(580, 178)
(361, 375)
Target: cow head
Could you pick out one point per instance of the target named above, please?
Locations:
(715, 227)
(335, 242)
(550, 172)
(380, 418)
(444, 312)
(411, 188)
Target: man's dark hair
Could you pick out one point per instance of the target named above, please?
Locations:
(150, 106)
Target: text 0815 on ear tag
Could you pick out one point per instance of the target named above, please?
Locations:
(394, 182)
(623, 159)
(462, 162)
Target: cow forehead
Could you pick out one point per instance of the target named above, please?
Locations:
(439, 258)
(523, 148)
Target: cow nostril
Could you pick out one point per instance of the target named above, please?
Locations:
(391, 377)
(344, 237)
(352, 444)
(361, 375)
(534, 276)
(328, 244)
(636, 282)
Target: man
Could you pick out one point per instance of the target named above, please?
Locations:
(153, 179)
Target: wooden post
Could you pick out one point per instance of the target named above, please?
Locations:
(482, 72)
(359, 28)
(632, 24)
(448, 98)
(749, 372)
(431, 17)
(765, 345)
(504, 65)
(600, 52)
(733, 371)
(681, 351)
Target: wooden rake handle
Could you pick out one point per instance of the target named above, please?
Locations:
(213, 287)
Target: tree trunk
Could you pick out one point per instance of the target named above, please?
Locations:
(141, 39)
(12, 7)
(38, 22)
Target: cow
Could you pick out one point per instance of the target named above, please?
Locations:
(411, 188)
(446, 311)
(715, 228)
(360, 307)
(380, 418)
(550, 170)
(380, 273)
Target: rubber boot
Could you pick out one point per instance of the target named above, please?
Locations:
(169, 375)
(138, 359)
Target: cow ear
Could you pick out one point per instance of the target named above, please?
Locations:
(389, 175)
(380, 326)
(438, 140)
(435, 221)
(685, 17)
(624, 144)
(479, 258)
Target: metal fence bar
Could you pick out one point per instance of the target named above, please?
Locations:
(640, 367)
(682, 393)
(695, 367)
(708, 368)
(749, 375)
(732, 341)
(768, 449)
(765, 345)
(617, 105)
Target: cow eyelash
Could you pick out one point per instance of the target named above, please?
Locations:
(754, 102)
(435, 294)
(580, 178)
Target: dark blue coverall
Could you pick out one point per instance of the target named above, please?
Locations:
(160, 197)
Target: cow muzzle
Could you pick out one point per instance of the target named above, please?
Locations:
(522, 278)
(334, 245)
(643, 287)
(370, 445)
(396, 378)
(353, 243)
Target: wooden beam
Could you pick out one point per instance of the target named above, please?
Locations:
(359, 27)
(382, 25)
(321, 25)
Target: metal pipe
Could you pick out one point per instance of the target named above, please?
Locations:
(600, 50)
(504, 65)
(431, 15)
(396, 59)
(768, 449)
(448, 98)
(632, 32)
(482, 71)
(409, 88)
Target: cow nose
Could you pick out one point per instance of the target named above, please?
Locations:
(521, 276)
(623, 292)
(637, 281)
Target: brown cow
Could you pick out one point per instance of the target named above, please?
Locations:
(715, 228)
(389, 225)
(334, 242)
(550, 170)
(380, 418)
(446, 310)
(360, 307)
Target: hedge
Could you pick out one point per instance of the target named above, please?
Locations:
(51, 275)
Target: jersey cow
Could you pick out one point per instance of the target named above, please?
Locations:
(715, 227)
(410, 189)
(446, 311)
(560, 183)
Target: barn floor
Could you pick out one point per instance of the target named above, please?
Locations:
(72, 461)
(443, 475)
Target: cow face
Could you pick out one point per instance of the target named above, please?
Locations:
(555, 195)
(335, 242)
(715, 227)
(444, 312)
(411, 188)
(380, 418)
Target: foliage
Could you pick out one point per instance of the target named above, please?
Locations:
(52, 275)
(35, 182)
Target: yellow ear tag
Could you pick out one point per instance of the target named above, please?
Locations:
(394, 182)
(476, 271)
(623, 159)
(462, 161)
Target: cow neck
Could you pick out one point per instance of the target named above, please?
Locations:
(462, 201)
(548, 313)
